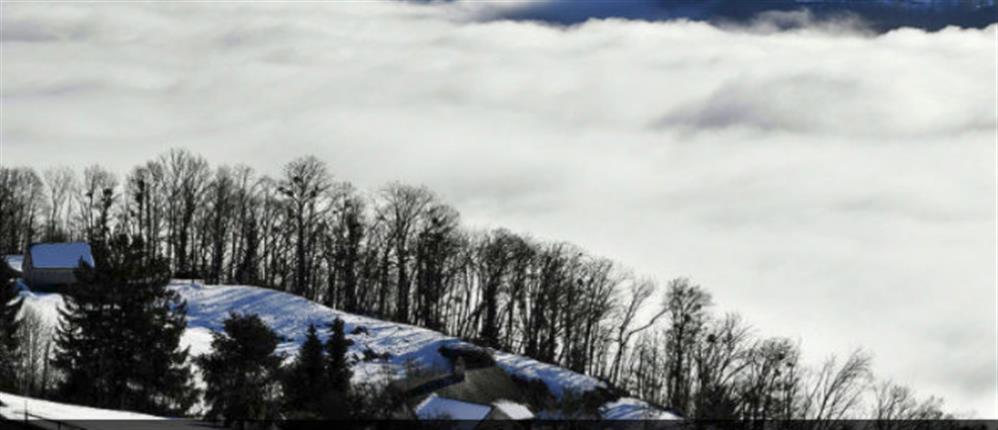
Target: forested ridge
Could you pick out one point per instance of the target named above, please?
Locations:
(401, 253)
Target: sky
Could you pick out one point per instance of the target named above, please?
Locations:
(832, 185)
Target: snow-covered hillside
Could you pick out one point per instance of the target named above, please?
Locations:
(52, 415)
(402, 345)
(13, 407)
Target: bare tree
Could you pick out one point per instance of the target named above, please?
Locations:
(305, 181)
(402, 208)
(145, 204)
(494, 258)
(894, 402)
(220, 201)
(834, 390)
(21, 207)
(719, 358)
(769, 381)
(61, 183)
(186, 178)
(639, 291)
(95, 202)
(436, 258)
(597, 281)
(35, 339)
(247, 233)
(687, 307)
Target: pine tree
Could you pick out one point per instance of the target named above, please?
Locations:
(118, 339)
(10, 306)
(338, 369)
(305, 383)
(336, 400)
(243, 372)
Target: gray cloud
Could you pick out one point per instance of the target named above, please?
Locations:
(836, 187)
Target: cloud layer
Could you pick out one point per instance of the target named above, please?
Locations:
(835, 187)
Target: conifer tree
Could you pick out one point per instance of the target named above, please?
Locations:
(10, 306)
(118, 339)
(336, 347)
(337, 400)
(305, 383)
(243, 372)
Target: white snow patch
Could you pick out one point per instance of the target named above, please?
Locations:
(15, 261)
(629, 408)
(13, 407)
(514, 410)
(557, 379)
(45, 305)
(289, 316)
(439, 408)
(198, 339)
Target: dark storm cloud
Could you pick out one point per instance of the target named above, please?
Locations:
(873, 15)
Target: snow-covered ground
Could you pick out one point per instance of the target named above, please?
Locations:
(52, 415)
(13, 407)
(403, 345)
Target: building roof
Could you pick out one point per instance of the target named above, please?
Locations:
(439, 408)
(481, 386)
(513, 410)
(60, 255)
(14, 262)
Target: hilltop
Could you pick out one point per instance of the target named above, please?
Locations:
(396, 348)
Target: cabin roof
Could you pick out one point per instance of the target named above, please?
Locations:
(60, 255)
(435, 407)
(14, 262)
(513, 410)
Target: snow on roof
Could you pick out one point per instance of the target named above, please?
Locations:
(513, 410)
(14, 261)
(60, 255)
(558, 379)
(629, 408)
(436, 408)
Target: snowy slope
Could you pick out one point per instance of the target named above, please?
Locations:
(13, 407)
(52, 415)
(404, 345)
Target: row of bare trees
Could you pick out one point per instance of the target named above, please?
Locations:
(401, 253)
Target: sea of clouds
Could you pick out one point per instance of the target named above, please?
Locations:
(832, 185)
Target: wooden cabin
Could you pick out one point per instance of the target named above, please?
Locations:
(48, 265)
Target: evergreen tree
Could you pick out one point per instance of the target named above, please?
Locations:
(305, 383)
(10, 306)
(118, 339)
(243, 372)
(336, 401)
(336, 346)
